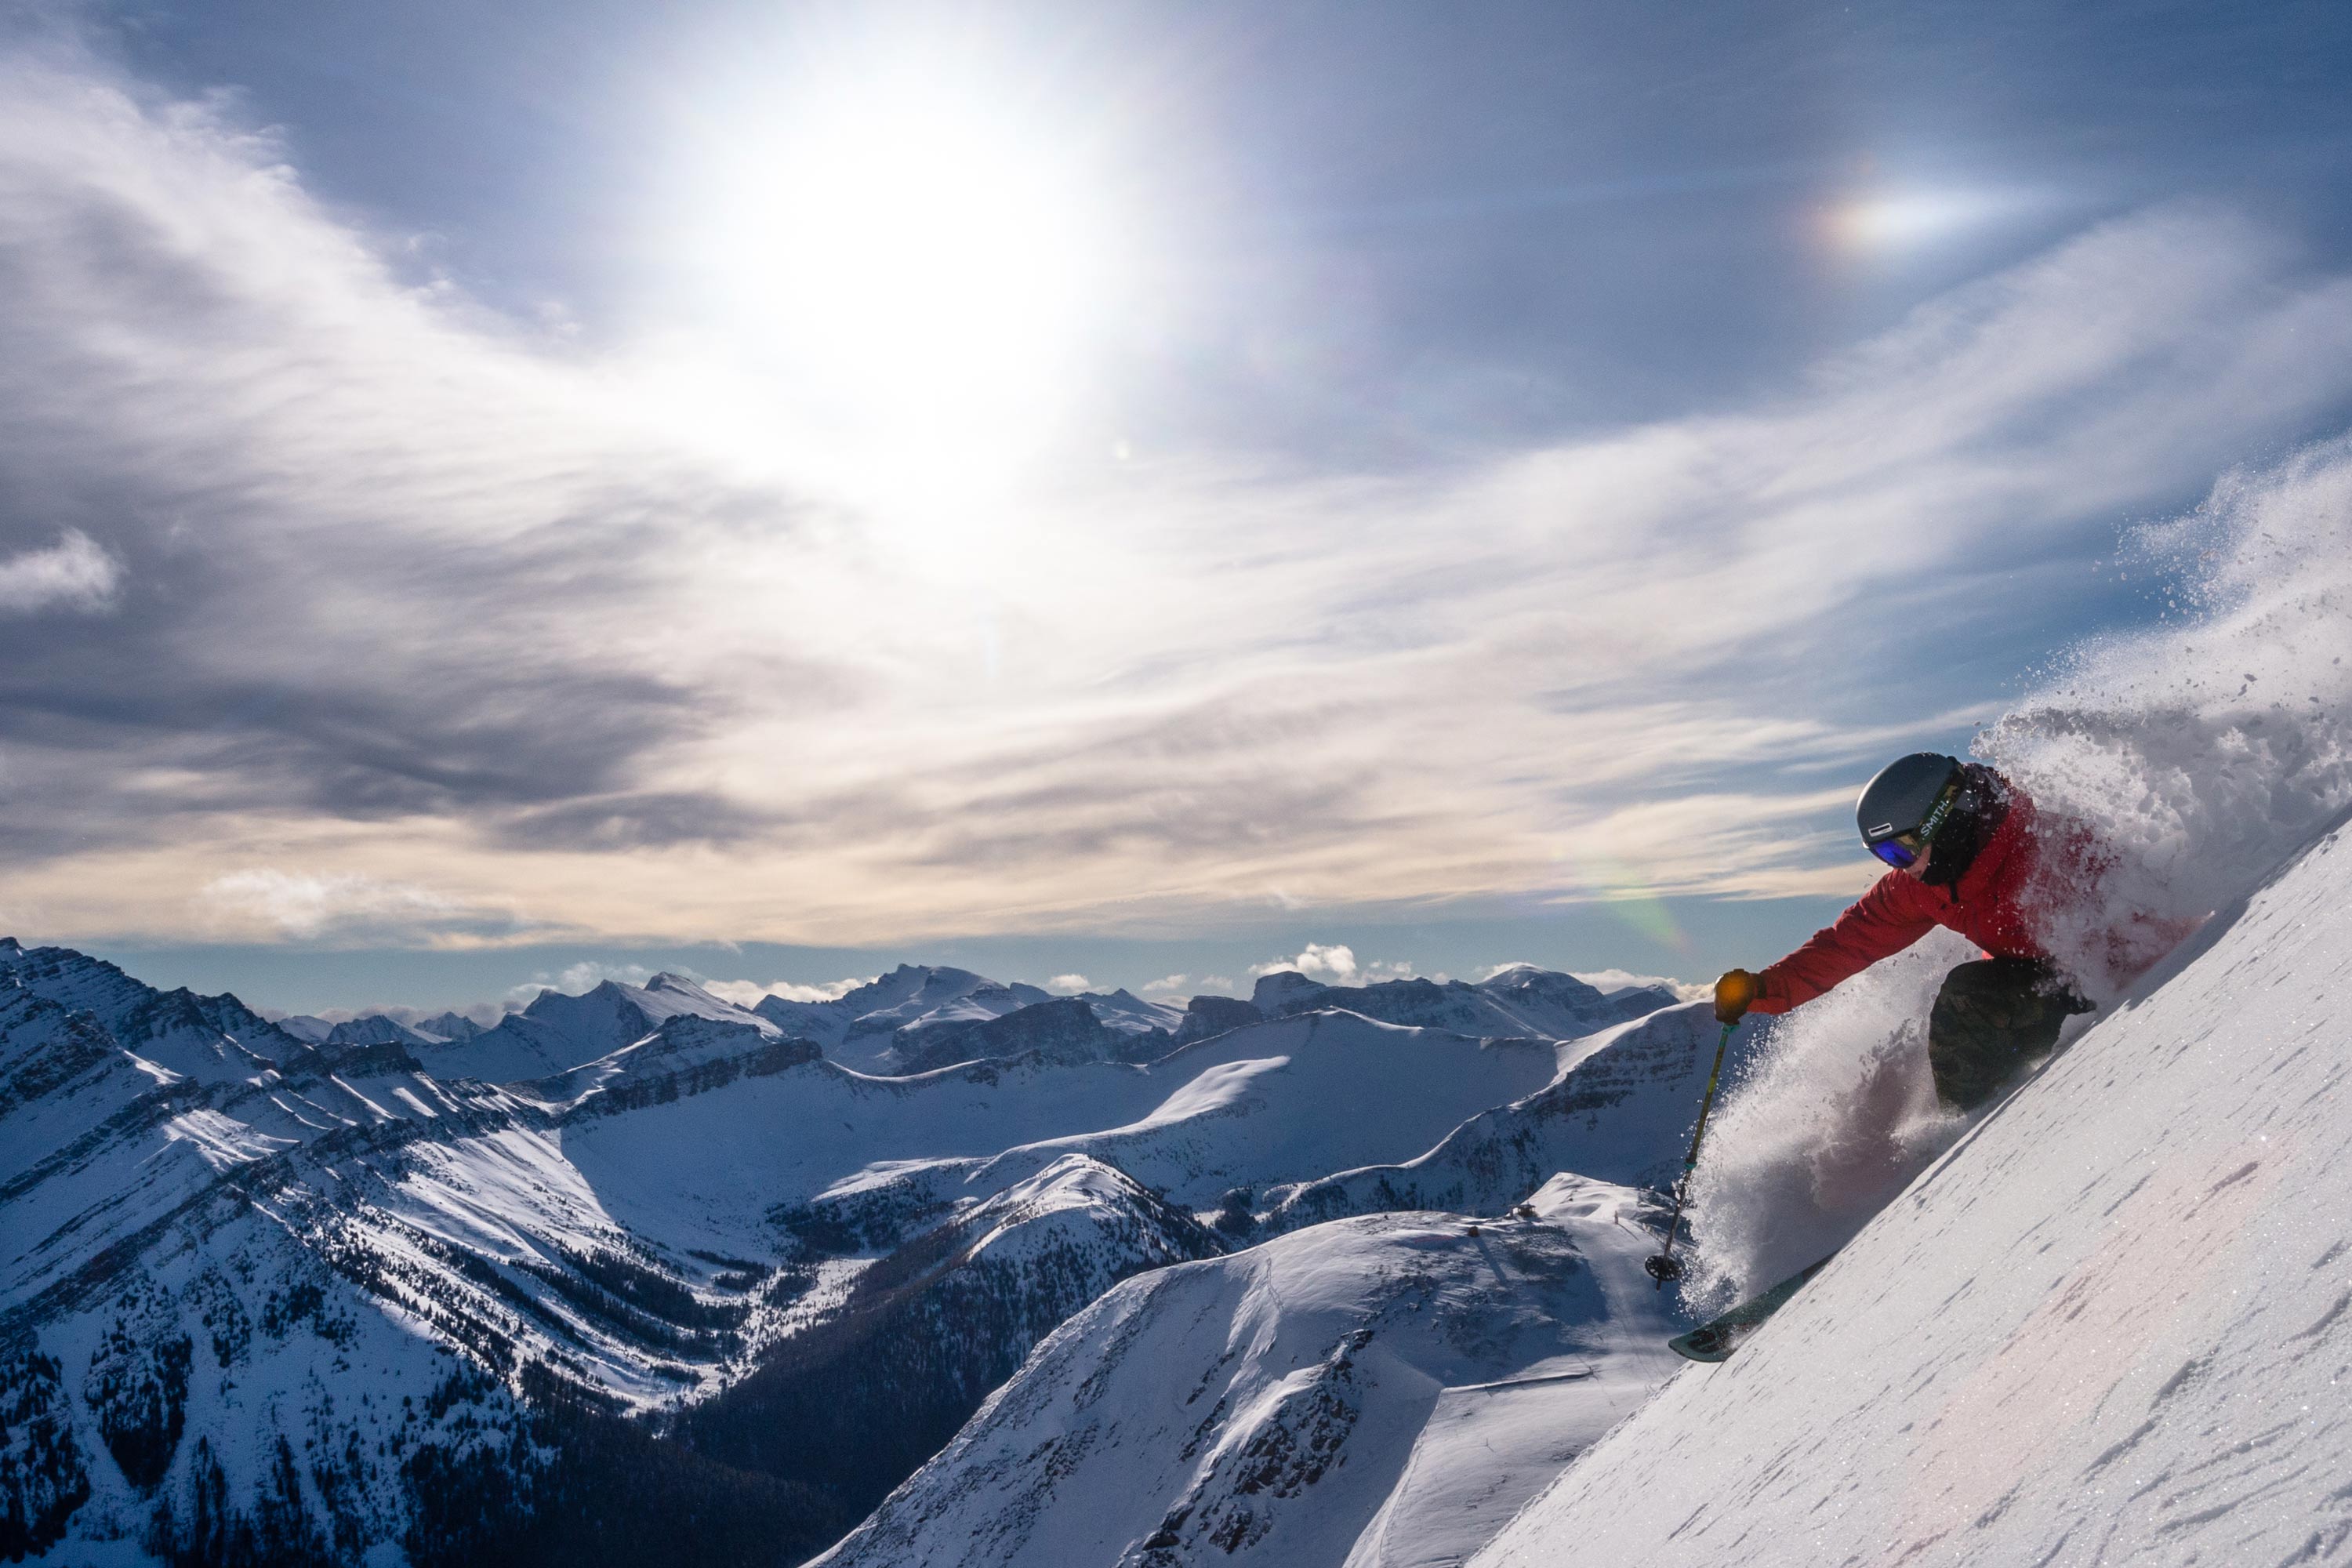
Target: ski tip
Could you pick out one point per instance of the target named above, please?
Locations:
(1701, 1344)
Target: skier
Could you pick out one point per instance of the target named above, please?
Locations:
(1962, 844)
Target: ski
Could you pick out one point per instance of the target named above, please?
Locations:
(1716, 1339)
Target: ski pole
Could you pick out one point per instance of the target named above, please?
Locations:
(1665, 1266)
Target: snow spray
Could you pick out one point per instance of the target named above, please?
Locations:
(2192, 758)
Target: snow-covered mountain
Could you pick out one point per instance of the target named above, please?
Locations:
(558, 1033)
(1619, 1111)
(237, 1326)
(1521, 1000)
(877, 1382)
(1129, 1013)
(915, 1020)
(380, 1028)
(872, 1026)
(1379, 1390)
(389, 1289)
(822, 1151)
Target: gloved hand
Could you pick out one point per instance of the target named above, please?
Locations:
(1734, 994)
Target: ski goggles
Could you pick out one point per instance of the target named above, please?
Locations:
(1902, 850)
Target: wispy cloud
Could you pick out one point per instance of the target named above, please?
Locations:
(73, 573)
(441, 604)
(1165, 983)
(340, 903)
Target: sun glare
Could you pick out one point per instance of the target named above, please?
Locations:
(922, 267)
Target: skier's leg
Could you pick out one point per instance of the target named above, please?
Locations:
(1990, 1016)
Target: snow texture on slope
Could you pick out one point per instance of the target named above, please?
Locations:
(1369, 1393)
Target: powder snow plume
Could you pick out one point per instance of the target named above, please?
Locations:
(2195, 757)
(2201, 757)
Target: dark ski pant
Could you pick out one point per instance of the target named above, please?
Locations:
(1990, 1017)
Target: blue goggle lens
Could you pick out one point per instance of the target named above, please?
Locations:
(1895, 853)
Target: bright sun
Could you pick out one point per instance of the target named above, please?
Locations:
(924, 267)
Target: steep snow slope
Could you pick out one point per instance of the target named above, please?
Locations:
(2111, 1325)
(1372, 1393)
(206, 1370)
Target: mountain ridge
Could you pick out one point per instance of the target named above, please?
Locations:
(227, 1239)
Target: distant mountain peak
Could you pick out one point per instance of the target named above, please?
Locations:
(1273, 991)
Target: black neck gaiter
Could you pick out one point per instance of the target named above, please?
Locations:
(1977, 813)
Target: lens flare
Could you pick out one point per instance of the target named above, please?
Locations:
(1617, 888)
(1886, 223)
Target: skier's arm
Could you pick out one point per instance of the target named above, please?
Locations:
(1881, 924)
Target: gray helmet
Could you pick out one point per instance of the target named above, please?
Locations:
(1900, 801)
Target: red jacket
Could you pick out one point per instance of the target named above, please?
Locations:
(1987, 907)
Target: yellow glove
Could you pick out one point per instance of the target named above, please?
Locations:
(1734, 994)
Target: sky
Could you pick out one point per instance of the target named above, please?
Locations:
(499, 496)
